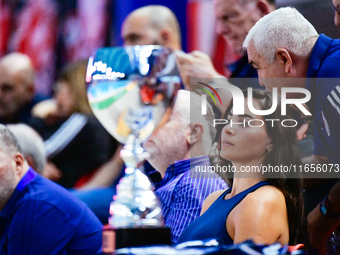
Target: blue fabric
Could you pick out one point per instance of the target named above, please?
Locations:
(43, 218)
(182, 193)
(325, 101)
(212, 223)
(98, 200)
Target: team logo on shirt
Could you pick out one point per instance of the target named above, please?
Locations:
(334, 99)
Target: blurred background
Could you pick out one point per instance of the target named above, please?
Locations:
(56, 32)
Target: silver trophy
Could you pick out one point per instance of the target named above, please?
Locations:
(131, 90)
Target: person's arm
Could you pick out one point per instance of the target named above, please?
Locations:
(196, 65)
(52, 172)
(185, 207)
(38, 227)
(106, 174)
(321, 227)
(261, 217)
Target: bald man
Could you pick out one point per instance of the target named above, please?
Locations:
(17, 90)
(152, 25)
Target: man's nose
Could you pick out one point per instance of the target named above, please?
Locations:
(261, 80)
(223, 28)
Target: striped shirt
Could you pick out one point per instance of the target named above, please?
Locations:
(182, 196)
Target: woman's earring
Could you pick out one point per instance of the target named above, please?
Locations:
(269, 150)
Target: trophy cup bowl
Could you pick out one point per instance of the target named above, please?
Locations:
(130, 90)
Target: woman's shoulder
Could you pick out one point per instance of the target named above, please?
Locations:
(211, 199)
(268, 197)
(261, 216)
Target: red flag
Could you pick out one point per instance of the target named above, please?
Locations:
(5, 25)
(85, 29)
(36, 37)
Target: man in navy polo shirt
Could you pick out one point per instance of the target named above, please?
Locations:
(284, 44)
(36, 215)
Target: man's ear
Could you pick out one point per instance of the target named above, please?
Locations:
(196, 132)
(264, 7)
(285, 59)
(165, 37)
(30, 89)
(19, 162)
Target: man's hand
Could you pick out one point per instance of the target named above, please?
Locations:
(320, 228)
(52, 172)
(195, 64)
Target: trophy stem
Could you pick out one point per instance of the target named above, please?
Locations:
(135, 204)
(133, 153)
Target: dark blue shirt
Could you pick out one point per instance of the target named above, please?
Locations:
(325, 101)
(43, 218)
(182, 192)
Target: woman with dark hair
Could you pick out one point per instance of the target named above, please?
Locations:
(264, 208)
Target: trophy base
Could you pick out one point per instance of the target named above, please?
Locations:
(115, 238)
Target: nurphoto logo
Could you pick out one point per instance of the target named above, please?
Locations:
(239, 102)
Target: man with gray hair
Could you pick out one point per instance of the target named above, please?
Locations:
(38, 216)
(284, 44)
(17, 88)
(179, 152)
(31, 144)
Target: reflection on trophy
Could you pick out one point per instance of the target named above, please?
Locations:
(130, 90)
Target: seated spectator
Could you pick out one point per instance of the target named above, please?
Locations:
(31, 144)
(36, 215)
(265, 210)
(76, 143)
(17, 89)
(176, 148)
